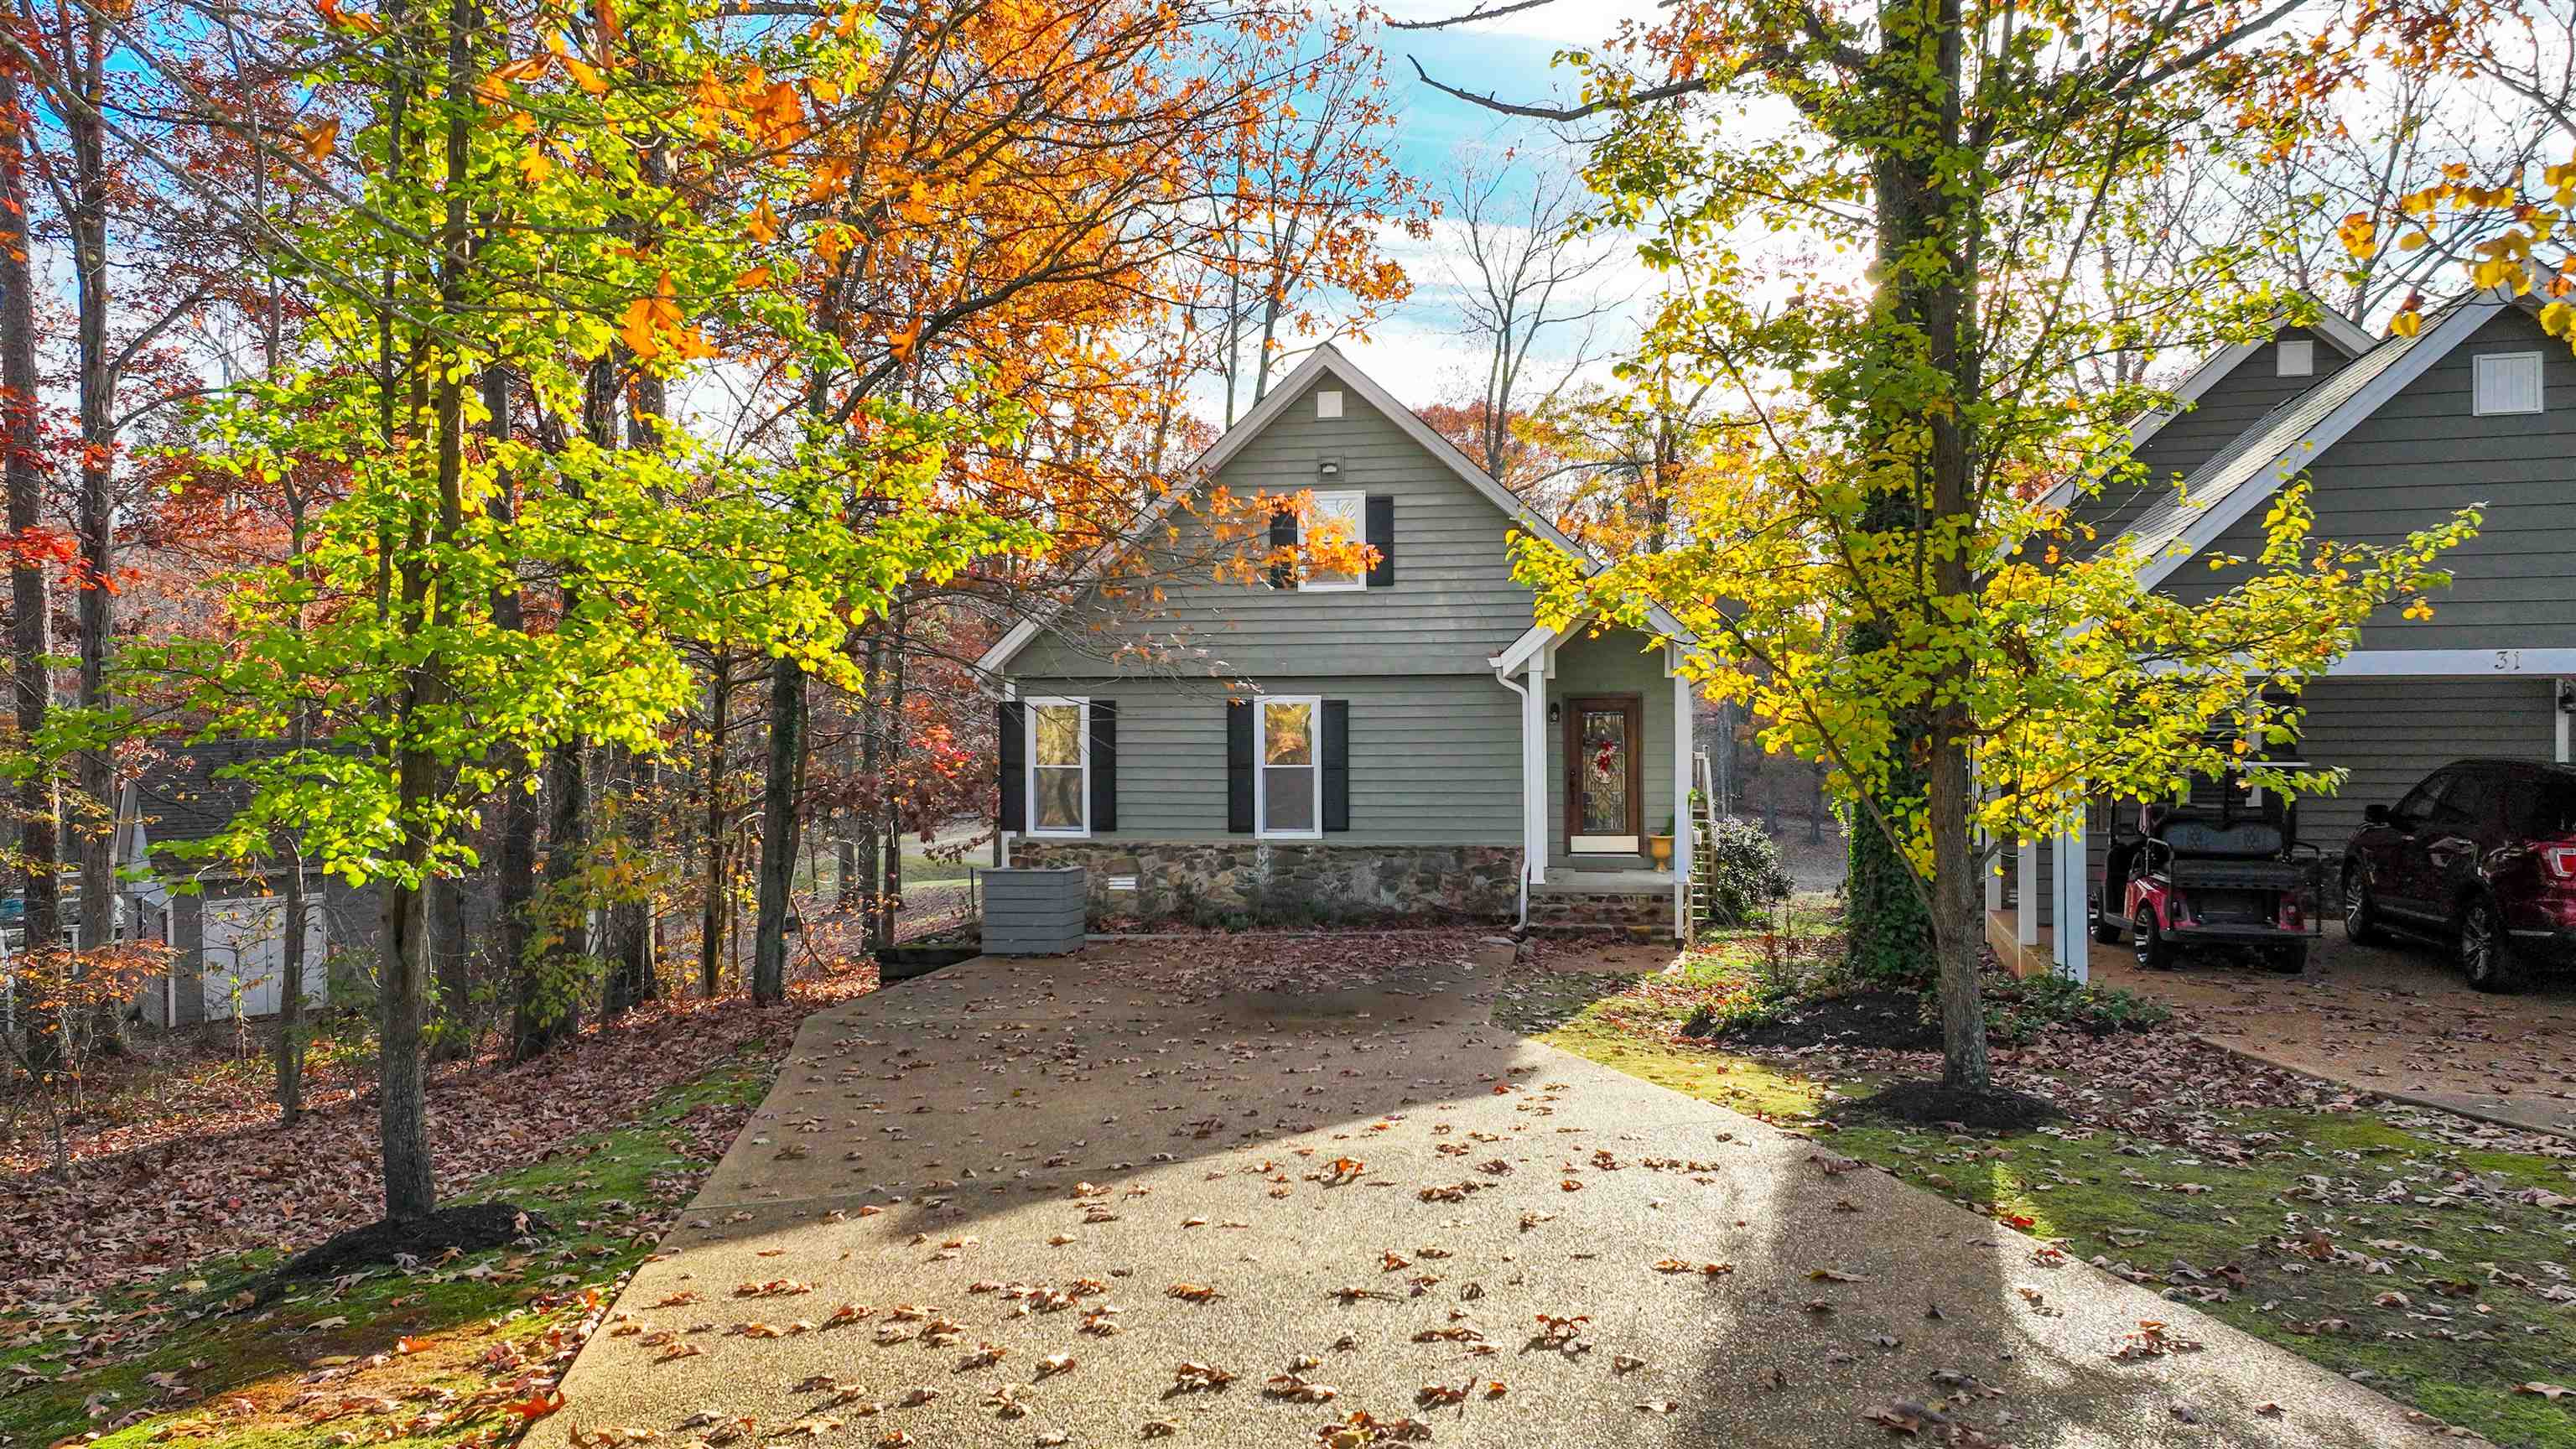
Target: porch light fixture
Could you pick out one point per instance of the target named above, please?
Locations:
(1552, 715)
(1329, 468)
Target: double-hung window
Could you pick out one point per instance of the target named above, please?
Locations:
(1059, 766)
(1288, 760)
(1342, 519)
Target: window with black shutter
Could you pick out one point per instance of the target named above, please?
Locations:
(1011, 752)
(1381, 537)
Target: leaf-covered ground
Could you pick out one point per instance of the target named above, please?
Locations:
(2428, 1256)
(128, 1313)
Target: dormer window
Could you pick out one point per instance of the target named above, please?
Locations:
(2507, 382)
(2295, 358)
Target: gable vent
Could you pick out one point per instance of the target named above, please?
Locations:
(2507, 382)
(2296, 359)
(1328, 403)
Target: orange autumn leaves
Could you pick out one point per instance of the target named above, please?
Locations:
(653, 326)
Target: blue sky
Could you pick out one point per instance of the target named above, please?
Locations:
(1416, 350)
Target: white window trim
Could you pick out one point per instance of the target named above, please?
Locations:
(1358, 499)
(1029, 765)
(2478, 393)
(1261, 765)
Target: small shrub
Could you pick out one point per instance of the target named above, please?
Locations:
(2018, 1009)
(1743, 872)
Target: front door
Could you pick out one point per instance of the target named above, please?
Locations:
(1604, 797)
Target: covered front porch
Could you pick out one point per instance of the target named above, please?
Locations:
(2028, 898)
(1606, 746)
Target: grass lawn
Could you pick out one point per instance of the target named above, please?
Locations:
(432, 1356)
(2415, 1252)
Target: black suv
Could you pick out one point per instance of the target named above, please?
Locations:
(2482, 855)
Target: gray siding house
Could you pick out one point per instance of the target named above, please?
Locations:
(227, 930)
(2479, 407)
(1399, 742)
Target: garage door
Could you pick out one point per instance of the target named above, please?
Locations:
(2390, 733)
(245, 956)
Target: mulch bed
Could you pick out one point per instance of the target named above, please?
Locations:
(1888, 1020)
(1934, 1104)
(461, 1227)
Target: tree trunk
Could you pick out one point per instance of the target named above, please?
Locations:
(889, 895)
(96, 624)
(630, 922)
(38, 840)
(778, 828)
(290, 1000)
(449, 1037)
(411, 1184)
(514, 885)
(873, 737)
(1919, 217)
(711, 913)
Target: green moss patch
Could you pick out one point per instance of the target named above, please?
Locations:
(432, 1355)
(2380, 1244)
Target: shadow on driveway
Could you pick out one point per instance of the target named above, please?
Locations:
(1384, 1194)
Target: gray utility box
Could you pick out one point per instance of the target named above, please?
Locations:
(1033, 912)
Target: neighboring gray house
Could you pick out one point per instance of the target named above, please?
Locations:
(1403, 743)
(228, 936)
(2479, 407)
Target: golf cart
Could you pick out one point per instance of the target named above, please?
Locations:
(2223, 869)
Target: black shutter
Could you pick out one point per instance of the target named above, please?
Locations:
(1238, 767)
(1337, 764)
(1381, 536)
(1104, 765)
(1283, 534)
(1012, 752)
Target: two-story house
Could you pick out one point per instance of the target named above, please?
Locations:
(2478, 407)
(1398, 743)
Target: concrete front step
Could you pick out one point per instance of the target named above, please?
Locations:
(1561, 911)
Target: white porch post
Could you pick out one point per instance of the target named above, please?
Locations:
(1682, 722)
(1534, 770)
(2074, 937)
(2026, 893)
(2558, 707)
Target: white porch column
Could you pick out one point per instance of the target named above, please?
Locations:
(2558, 705)
(2026, 893)
(1682, 721)
(1534, 770)
(2074, 939)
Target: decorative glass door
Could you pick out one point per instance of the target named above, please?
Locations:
(1603, 798)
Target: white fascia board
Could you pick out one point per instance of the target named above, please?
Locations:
(2498, 663)
(2254, 492)
(2330, 324)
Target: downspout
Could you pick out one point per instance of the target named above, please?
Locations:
(1505, 676)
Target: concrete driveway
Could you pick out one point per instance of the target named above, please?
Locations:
(2397, 1019)
(1363, 1200)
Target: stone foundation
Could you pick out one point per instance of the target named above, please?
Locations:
(1248, 882)
(1643, 917)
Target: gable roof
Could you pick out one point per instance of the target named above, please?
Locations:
(2346, 338)
(2249, 470)
(1326, 359)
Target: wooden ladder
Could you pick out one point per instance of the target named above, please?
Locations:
(1703, 832)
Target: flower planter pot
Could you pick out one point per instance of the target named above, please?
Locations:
(1661, 847)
